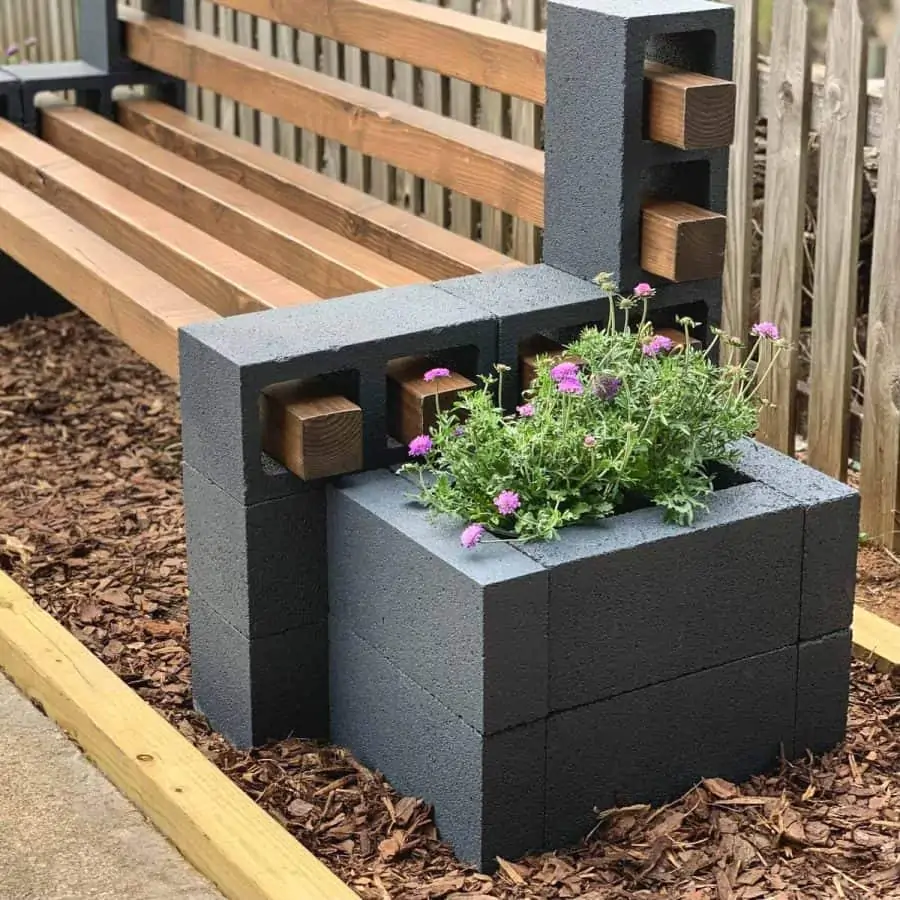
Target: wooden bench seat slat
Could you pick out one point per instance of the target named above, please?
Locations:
(127, 299)
(388, 230)
(325, 263)
(497, 171)
(207, 270)
(502, 57)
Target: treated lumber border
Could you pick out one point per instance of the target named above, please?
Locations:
(217, 827)
(876, 638)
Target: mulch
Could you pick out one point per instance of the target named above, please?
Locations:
(91, 525)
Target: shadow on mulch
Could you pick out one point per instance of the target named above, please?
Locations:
(91, 524)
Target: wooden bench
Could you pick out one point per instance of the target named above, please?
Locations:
(155, 220)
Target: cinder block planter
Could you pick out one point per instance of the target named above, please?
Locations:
(518, 687)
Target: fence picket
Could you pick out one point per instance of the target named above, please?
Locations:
(880, 470)
(353, 73)
(785, 197)
(837, 239)
(463, 211)
(434, 95)
(310, 143)
(286, 41)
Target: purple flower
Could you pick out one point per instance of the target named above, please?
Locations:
(507, 502)
(12, 50)
(605, 387)
(526, 410)
(564, 371)
(459, 431)
(433, 374)
(570, 386)
(471, 536)
(589, 440)
(420, 446)
(765, 330)
(643, 290)
(657, 345)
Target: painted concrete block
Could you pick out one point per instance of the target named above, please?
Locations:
(487, 791)
(823, 689)
(831, 535)
(262, 568)
(226, 364)
(26, 295)
(258, 689)
(634, 601)
(599, 166)
(651, 745)
(469, 628)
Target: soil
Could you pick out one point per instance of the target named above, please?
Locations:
(878, 582)
(91, 525)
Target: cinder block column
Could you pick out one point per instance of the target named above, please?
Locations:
(25, 295)
(626, 192)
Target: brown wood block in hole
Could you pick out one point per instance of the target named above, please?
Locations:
(688, 110)
(412, 402)
(682, 242)
(676, 336)
(311, 432)
(529, 353)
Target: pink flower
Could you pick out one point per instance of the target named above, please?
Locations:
(570, 386)
(507, 502)
(765, 330)
(471, 536)
(564, 371)
(657, 345)
(433, 374)
(420, 446)
(590, 440)
(643, 290)
(526, 410)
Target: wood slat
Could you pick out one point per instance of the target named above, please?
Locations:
(210, 272)
(880, 470)
(479, 51)
(682, 242)
(786, 167)
(738, 250)
(404, 238)
(130, 301)
(837, 240)
(461, 157)
(320, 260)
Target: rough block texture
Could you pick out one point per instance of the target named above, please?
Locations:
(225, 365)
(651, 745)
(634, 601)
(469, 628)
(823, 689)
(258, 689)
(26, 295)
(599, 167)
(261, 567)
(488, 791)
(10, 97)
(831, 532)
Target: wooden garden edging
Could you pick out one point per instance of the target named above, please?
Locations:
(217, 827)
(876, 639)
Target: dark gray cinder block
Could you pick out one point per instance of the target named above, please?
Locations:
(25, 294)
(651, 745)
(258, 689)
(823, 693)
(487, 791)
(599, 167)
(226, 364)
(831, 535)
(469, 628)
(634, 601)
(261, 567)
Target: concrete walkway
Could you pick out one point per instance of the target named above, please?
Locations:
(65, 832)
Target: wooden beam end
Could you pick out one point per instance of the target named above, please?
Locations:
(682, 242)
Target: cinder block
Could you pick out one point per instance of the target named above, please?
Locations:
(10, 97)
(226, 364)
(831, 535)
(254, 690)
(599, 165)
(262, 568)
(469, 628)
(25, 294)
(823, 693)
(487, 791)
(652, 745)
(635, 601)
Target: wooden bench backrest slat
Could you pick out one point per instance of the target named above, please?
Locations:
(325, 263)
(505, 58)
(207, 270)
(388, 230)
(497, 171)
(127, 299)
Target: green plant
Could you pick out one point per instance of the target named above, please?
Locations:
(624, 415)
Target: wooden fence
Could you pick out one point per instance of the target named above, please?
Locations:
(793, 252)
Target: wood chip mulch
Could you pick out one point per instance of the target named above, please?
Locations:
(91, 525)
